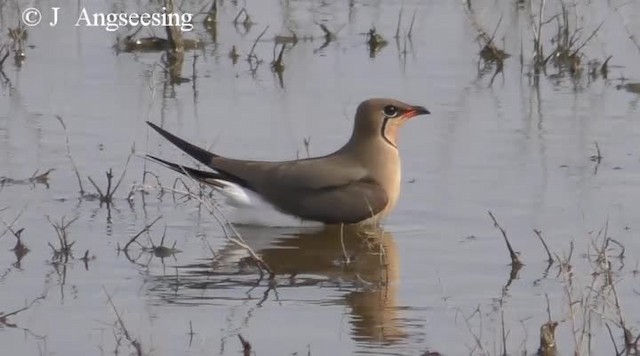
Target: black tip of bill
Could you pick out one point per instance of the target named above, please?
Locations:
(420, 110)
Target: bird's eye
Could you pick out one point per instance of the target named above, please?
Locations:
(390, 111)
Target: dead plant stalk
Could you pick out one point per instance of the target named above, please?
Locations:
(515, 261)
(219, 216)
(73, 163)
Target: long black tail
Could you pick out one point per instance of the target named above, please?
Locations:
(194, 151)
(210, 178)
(205, 157)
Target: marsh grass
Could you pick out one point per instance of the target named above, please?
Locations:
(550, 259)
(516, 264)
(252, 58)
(136, 236)
(409, 32)
(375, 42)
(567, 55)
(175, 51)
(404, 43)
(19, 249)
(277, 64)
(9, 227)
(104, 196)
(4, 316)
(230, 232)
(69, 155)
(548, 346)
(63, 252)
(630, 87)
(246, 346)
(36, 178)
(558, 43)
(596, 158)
(328, 37)
(107, 195)
(121, 331)
(161, 251)
(5, 52)
(151, 44)
(196, 191)
(291, 39)
(490, 55)
(567, 43)
(243, 19)
(18, 36)
(211, 21)
(592, 306)
(233, 54)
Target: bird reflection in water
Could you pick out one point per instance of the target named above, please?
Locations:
(366, 261)
(362, 264)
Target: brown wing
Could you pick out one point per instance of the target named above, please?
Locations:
(349, 203)
(332, 189)
(329, 189)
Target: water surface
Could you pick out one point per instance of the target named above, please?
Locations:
(519, 149)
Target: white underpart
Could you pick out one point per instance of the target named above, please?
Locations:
(237, 196)
(248, 208)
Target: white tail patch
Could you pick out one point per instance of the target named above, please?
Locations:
(248, 208)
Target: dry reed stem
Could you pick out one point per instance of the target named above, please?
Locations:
(175, 50)
(413, 18)
(73, 163)
(477, 338)
(328, 35)
(247, 19)
(134, 342)
(4, 316)
(538, 50)
(9, 227)
(251, 56)
(108, 196)
(237, 239)
(64, 252)
(223, 222)
(544, 244)
(4, 48)
(246, 345)
(515, 261)
(397, 36)
(145, 229)
(212, 14)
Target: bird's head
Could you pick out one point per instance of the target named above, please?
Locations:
(382, 118)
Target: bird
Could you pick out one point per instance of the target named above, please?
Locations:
(355, 185)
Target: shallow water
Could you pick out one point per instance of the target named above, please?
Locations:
(520, 150)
